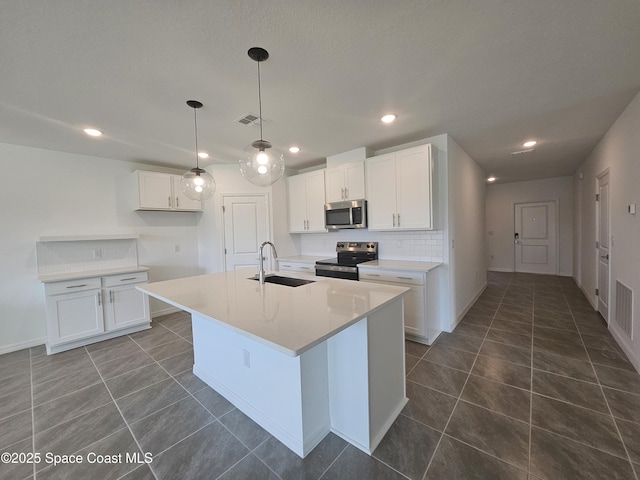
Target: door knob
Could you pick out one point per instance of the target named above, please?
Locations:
(605, 256)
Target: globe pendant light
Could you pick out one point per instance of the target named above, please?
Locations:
(197, 183)
(262, 164)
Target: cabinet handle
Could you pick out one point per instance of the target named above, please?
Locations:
(398, 219)
(346, 193)
(305, 268)
(405, 278)
(99, 298)
(177, 202)
(77, 286)
(372, 275)
(127, 279)
(394, 219)
(110, 296)
(169, 201)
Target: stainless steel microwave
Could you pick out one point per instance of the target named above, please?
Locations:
(339, 215)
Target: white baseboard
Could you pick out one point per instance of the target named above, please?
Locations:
(622, 341)
(498, 269)
(164, 311)
(14, 347)
(464, 311)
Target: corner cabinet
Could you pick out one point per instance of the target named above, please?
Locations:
(421, 310)
(163, 192)
(399, 187)
(89, 310)
(345, 182)
(306, 202)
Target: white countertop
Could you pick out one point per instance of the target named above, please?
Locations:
(303, 258)
(289, 319)
(400, 265)
(58, 277)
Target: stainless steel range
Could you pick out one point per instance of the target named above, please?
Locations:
(350, 254)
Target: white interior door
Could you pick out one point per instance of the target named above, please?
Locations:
(603, 246)
(535, 238)
(245, 228)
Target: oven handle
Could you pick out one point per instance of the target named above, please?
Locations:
(336, 268)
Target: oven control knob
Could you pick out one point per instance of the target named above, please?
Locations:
(341, 245)
(370, 245)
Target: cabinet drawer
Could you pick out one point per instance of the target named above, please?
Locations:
(71, 286)
(125, 278)
(392, 276)
(297, 267)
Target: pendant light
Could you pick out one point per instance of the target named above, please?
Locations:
(197, 183)
(262, 164)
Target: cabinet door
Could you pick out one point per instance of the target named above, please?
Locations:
(297, 203)
(381, 185)
(354, 181)
(334, 184)
(74, 316)
(414, 311)
(413, 182)
(315, 201)
(155, 190)
(125, 307)
(181, 201)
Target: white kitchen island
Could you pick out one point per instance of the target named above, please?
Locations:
(300, 361)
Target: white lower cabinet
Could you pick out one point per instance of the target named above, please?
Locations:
(88, 310)
(299, 267)
(421, 313)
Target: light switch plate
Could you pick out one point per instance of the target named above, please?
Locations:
(632, 209)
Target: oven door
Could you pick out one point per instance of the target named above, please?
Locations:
(337, 271)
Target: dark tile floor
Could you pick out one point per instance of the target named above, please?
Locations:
(529, 386)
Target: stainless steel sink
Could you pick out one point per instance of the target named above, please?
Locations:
(288, 281)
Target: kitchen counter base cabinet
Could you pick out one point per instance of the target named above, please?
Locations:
(352, 384)
(421, 312)
(89, 310)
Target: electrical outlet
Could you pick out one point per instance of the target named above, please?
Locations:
(97, 253)
(247, 358)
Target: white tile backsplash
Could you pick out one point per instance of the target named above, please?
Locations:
(422, 245)
(78, 256)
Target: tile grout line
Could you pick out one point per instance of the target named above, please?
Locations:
(33, 419)
(216, 418)
(424, 476)
(120, 411)
(533, 328)
(606, 400)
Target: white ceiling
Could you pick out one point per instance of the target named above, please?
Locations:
(490, 73)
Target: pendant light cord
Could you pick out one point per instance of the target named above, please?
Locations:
(195, 123)
(259, 100)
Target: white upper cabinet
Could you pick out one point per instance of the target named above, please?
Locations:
(345, 182)
(162, 191)
(306, 202)
(399, 186)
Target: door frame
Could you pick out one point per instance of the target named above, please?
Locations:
(604, 172)
(557, 235)
(222, 237)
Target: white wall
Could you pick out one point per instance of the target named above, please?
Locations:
(466, 219)
(618, 151)
(500, 219)
(45, 192)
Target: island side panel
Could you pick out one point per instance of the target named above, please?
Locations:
(349, 385)
(263, 383)
(387, 386)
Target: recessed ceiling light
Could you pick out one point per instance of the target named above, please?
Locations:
(388, 118)
(203, 154)
(92, 132)
(530, 143)
(294, 149)
(491, 179)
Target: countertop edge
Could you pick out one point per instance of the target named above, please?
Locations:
(406, 265)
(61, 277)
